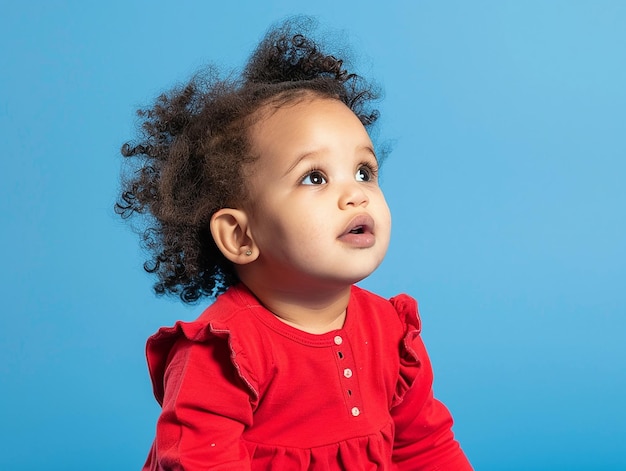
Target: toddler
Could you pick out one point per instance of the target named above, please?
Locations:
(262, 191)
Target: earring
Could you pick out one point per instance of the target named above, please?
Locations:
(248, 252)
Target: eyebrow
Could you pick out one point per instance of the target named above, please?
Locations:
(298, 160)
(306, 155)
(371, 151)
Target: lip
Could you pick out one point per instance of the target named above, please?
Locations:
(365, 237)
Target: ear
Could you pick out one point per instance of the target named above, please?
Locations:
(231, 234)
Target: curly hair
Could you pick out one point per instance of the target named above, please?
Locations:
(187, 162)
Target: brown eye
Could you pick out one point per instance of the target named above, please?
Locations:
(314, 178)
(363, 174)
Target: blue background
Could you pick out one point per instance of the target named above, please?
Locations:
(506, 184)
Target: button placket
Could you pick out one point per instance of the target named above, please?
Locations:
(347, 375)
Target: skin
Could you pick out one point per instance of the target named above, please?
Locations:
(317, 220)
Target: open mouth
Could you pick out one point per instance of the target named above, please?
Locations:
(359, 232)
(361, 225)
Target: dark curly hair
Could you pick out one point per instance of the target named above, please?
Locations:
(188, 160)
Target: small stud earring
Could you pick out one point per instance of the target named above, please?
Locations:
(248, 252)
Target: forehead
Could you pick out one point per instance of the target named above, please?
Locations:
(305, 123)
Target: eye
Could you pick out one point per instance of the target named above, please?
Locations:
(314, 177)
(365, 173)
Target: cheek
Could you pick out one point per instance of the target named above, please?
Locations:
(389, 220)
(281, 226)
(384, 213)
(302, 227)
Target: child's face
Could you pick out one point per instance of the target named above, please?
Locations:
(317, 214)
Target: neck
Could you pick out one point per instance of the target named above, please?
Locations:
(316, 313)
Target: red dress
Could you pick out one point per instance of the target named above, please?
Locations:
(241, 390)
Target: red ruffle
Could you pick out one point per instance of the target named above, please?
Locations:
(410, 363)
(363, 453)
(160, 344)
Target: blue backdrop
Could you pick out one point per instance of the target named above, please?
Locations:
(508, 120)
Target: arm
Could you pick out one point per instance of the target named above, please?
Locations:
(206, 408)
(424, 438)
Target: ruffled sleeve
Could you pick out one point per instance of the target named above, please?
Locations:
(207, 392)
(424, 438)
(160, 345)
(410, 363)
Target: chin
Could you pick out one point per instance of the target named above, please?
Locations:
(360, 276)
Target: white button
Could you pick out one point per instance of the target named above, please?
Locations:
(355, 411)
(347, 373)
(338, 340)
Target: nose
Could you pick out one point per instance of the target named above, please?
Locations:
(353, 195)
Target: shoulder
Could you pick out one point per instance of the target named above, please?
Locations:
(225, 327)
(402, 307)
(227, 312)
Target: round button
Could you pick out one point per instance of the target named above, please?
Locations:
(347, 373)
(338, 340)
(355, 411)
